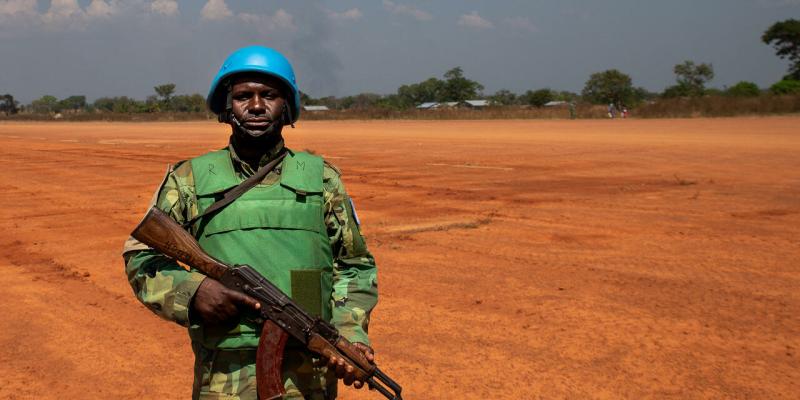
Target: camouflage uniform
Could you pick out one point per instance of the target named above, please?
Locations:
(167, 289)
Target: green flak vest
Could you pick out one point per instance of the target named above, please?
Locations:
(277, 229)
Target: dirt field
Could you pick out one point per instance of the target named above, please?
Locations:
(518, 260)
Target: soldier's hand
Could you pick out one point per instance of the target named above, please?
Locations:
(346, 372)
(215, 304)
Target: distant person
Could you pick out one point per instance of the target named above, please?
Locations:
(624, 112)
(572, 111)
(611, 110)
(297, 228)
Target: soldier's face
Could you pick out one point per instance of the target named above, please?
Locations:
(257, 103)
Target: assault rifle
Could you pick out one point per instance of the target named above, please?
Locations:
(282, 316)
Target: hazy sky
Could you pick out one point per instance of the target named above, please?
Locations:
(125, 47)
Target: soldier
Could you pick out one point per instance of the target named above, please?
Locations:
(297, 227)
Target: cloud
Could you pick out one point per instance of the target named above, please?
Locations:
(60, 15)
(473, 20)
(64, 14)
(403, 9)
(165, 7)
(266, 23)
(18, 8)
(349, 15)
(215, 10)
(521, 23)
(100, 9)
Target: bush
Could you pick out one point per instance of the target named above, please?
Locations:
(744, 89)
(786, 86)
(537, 98)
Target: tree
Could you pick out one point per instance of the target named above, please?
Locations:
(187, 103)
(45, 105)
(743, 89)
(786, 86)
(785, 38)
(73, 103)
(459, 88)
(104, 104)
(692, 79)
(165, 91)
(8, 105)
(565, 95)
(431, 89)
(538, 98)
(503, 97)
(124, 104)
(360, 101)
(611, 86)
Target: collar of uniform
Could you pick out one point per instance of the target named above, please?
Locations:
(244, 167)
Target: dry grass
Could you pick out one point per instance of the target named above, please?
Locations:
(712, 106)
(719, 106)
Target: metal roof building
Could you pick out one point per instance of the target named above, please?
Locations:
(428, 106)
(316, 108)
(476, 103)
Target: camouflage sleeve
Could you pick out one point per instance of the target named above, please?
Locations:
(355, 285)
(159, 282)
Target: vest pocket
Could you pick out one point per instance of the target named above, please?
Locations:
(270, 214)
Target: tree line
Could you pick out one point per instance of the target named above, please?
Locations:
(163, 100)
(606, 87)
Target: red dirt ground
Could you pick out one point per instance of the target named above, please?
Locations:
(518, 259)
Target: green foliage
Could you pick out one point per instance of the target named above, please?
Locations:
(431, 89)
(565, 95)
(104, 104)
(674, 91)
(785, 38)
(8, 105)
(786, 86)
(188, 103)
(537, 98)
(361, 101)
(459, 88)
(744, 89)
(165, 91)
(641, 94)
(454, 87)
(504, 97)
(124, 104)
(45, 105)
(611, 86)
(692, 78)
(73, 103)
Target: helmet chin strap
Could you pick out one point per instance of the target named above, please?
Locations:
(238, 125)
(227, 115)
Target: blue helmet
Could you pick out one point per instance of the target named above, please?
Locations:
(257, 59)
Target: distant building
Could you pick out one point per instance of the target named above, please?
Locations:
(476, 103)
(556, 103)
(316, 108)
(450, 104)
(428, 106)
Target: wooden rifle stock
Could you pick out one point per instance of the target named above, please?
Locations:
(162, 233)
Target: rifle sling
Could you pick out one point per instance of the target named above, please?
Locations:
(234, 193)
